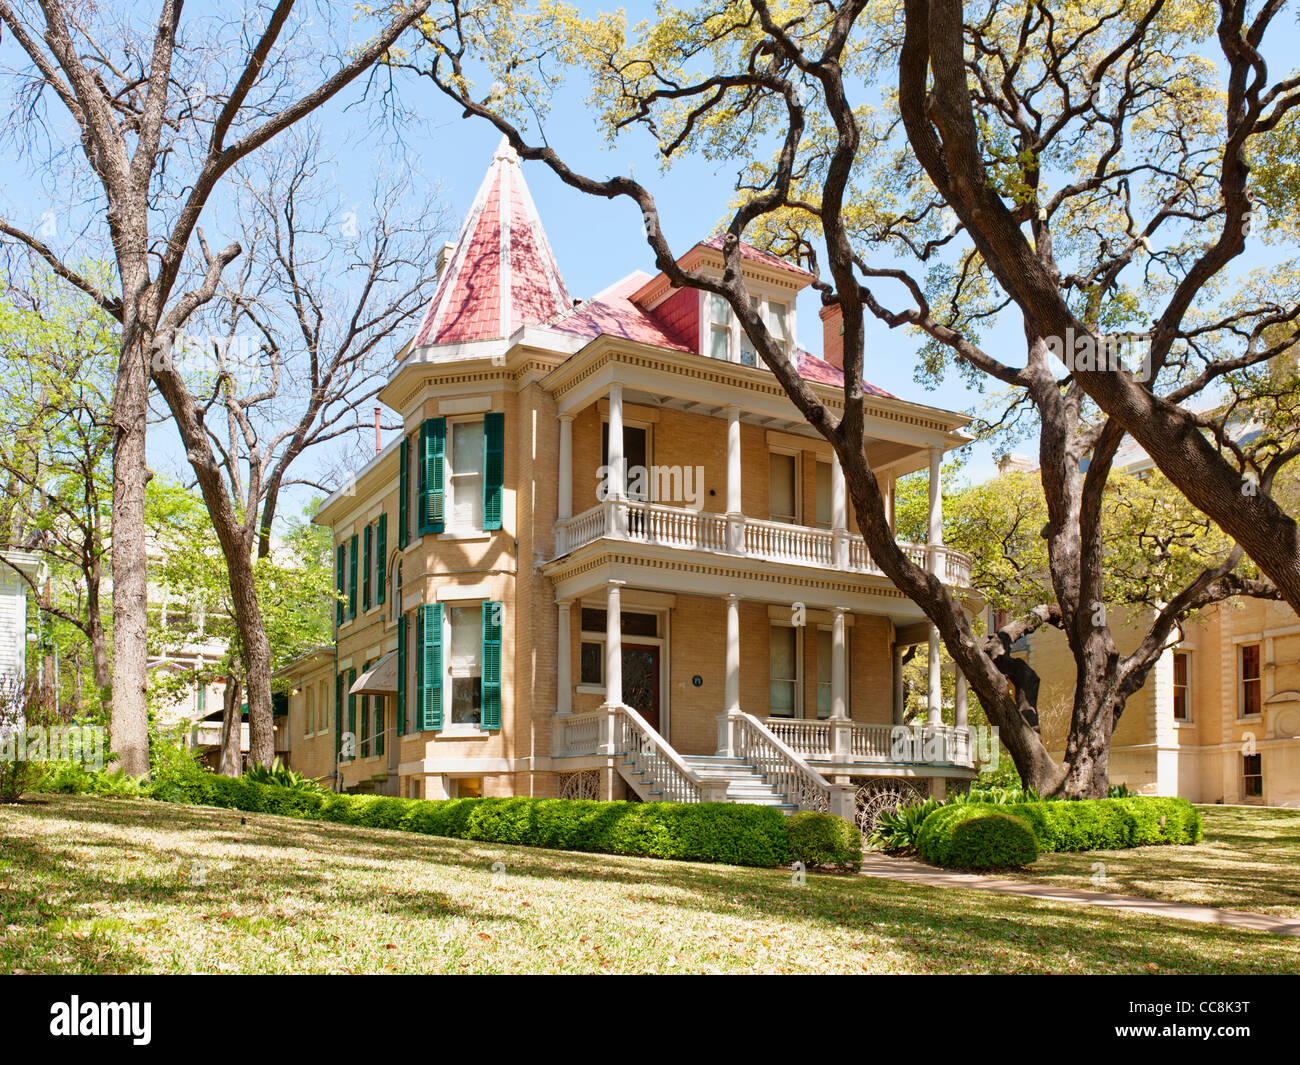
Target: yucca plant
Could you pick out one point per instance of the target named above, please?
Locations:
(282, 777)
(896, 830)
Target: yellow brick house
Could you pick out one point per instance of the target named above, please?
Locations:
(608, 558)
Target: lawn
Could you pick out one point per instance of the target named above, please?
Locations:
(104, 885)
(1249, 860)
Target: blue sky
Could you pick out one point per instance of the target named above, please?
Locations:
(595, 241)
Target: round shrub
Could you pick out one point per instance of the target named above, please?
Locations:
(992, 841)
(820, 839)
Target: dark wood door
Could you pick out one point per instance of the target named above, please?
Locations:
(641, 681)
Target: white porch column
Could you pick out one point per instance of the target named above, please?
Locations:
(934, 694)
(735, 518)
(962, 715)
(613, 644)
(564, 659)
(841, 728)
(897, 677)
(936, 508)
(617, 470)
(564, 507)
(839, 513)
(731, 680)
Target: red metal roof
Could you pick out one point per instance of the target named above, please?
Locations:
(612, 313)
(502, 274)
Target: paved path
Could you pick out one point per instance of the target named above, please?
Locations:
(914, 872)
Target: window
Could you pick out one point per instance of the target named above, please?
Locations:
(465, 788)
(824, 651)
(777, 324)
(782, 498)
(1182, 709)
(784, 671)
(465, 476)
(396, 597)
(636, 459)
(719, 328)
(1252, 776)
(591, 657)
(1249, 690)
(309, 723)
(823, 495)
(465, 664)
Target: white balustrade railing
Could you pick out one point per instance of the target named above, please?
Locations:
(698, 530)
(908, 744)
(780, 765)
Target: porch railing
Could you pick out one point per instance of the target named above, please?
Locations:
(780, 765)
(906, 744)
(652, 523)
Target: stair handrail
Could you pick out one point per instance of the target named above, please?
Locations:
(799, 781)
(683, 784)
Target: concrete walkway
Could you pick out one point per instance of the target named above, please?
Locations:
(911, 871)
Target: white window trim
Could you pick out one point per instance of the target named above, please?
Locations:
(799, 709)
(460, 729)
(450, 530)
(1241, 681)
(763, 301)
(797, 455)
(1189, 720)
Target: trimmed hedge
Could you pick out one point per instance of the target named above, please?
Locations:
(820, 839)
(1082, 825)
(992, 840)
(733, 833)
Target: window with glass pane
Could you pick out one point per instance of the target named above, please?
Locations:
(466, 475)
(781, 487)
(824, 673)
(1250, 683)
(777, 314)
(784, 671)
(591, 670)
(1181, 712)
(748, 356)
(823, 495)
(1252, 773)
(465, 664)
(719, 327)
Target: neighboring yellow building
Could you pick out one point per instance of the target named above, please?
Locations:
(599, 563)
(1218, 719)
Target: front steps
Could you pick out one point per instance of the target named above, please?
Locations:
(745, 784)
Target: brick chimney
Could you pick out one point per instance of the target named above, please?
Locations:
(833, 335)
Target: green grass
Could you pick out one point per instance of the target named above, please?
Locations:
(1249, 860)
(105, 885)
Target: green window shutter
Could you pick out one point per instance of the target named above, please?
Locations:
(490, 715)
(352, 578)
(431, 668)
(367, 557)
(351, 706)
(401, 675)
(381, 553)
(494, 455)
(340, 568)
(433, 452)
(404, 493)
(338, 715)
(365, 720)
(379, 724)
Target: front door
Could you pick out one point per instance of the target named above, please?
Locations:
(641, 681)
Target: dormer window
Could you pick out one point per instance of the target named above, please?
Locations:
(727, 341)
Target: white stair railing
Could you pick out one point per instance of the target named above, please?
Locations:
(781, 767)
(653, 757)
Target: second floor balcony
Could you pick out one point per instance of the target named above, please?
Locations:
(687, 529)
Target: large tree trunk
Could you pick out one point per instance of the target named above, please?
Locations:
(230, 762)
(257, 660)
(98, 637)
(129, 723)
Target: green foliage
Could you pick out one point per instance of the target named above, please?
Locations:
(1080, 825)
(1120, 791)
(1111, 824)
(992, 840)
(73, 778)
(896, 830)
(734, 833)
(282, 776)
(820, 839)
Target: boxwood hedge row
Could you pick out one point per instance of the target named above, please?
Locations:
(732, 833)
(1086, 825)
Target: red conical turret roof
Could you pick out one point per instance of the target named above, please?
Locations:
(502, 274)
